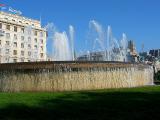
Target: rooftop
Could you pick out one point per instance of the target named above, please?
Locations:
(21, 20)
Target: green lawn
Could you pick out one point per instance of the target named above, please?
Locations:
(116, 104)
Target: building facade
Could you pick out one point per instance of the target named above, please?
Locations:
(155, 53)
(21, 39)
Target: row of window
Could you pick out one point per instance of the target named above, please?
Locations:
(22, 60)
(22, 38)
(22, 29)
(20, 22)
(15, 52)
(22, 45)
(16, 60)
(7, 59)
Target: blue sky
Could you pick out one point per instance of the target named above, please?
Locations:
(139, 19)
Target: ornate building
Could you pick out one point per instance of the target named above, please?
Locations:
(21, 39)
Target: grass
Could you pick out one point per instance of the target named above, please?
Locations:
(113, 104)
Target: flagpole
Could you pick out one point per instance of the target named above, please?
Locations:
(40, 19)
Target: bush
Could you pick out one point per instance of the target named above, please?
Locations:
(157, 76)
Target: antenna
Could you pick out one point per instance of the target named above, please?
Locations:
(142, 47)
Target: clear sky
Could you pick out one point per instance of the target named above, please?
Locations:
(139, 19)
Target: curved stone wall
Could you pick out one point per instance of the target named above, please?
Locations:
(72, 76)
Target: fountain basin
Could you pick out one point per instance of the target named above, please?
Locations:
(73, 76)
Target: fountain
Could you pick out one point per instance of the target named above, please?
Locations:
(73, 75)
(67, 74)
(100, 42)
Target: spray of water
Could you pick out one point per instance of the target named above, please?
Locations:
(124, 46)
(98, 36)
(100, 40)
(104, 41)
(51, 29)
(61, 47)
(61, 43)
(71, 33)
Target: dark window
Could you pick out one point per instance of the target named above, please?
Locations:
(41, 55)
(22, 45)
(0, 25)
(22, 53)
(14, 52)
(35, 40)
(15, 29)
(22, 38)
(14, 60)
(29, 53)
(8, 27)
(35, 33)
(22, 30)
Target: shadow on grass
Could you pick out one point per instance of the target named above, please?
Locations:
(89, 106)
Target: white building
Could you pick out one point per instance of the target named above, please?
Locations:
(21, 39)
